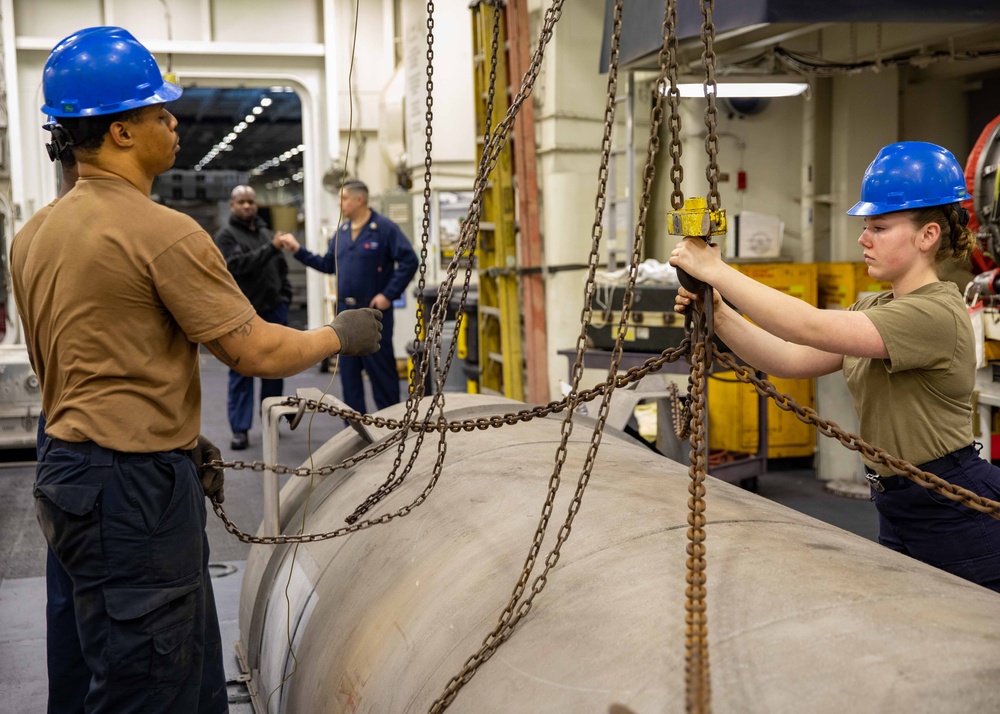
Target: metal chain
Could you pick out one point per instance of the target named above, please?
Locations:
(394, 481)
(856, 443)
(517, 608)
(674, 100)
(697, 673)
(470, 227)
(679, 412)
(420, 366)
(711, 113)
(633, 374)
(697, 679)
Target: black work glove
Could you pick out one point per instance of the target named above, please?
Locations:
(212, 477)
(359, 331)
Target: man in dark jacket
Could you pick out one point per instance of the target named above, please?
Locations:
(254, 257)
(374, 263)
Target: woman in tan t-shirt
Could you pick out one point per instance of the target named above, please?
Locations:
(908, 354)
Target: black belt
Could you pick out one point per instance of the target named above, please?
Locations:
(945, 463)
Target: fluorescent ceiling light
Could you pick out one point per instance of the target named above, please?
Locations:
(745, 89)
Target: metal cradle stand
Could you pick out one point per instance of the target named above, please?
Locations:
(742, 471)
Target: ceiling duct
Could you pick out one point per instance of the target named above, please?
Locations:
(643, 19)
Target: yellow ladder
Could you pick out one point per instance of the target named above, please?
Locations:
(500, 352)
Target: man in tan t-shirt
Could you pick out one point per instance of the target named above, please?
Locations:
(116, 293)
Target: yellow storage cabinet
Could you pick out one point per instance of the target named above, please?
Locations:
(732, 409)
(840, 284)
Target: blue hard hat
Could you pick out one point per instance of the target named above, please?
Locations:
(910, 174)
(102, 70)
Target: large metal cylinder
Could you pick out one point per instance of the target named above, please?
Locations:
(802, 616)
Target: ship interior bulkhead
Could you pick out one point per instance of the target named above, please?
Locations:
(583, 501)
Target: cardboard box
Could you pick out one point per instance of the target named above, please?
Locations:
(755, 235)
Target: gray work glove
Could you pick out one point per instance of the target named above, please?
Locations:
(359, 331)
(212, 477)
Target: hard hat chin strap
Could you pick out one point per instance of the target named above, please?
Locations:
(963, 216)
(61, 140)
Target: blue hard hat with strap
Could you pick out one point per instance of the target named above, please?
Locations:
(908, 175)
(102, 70)
(61, 139)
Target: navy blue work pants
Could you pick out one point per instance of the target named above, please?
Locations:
(931, 528)
(381, 370)
(240, 404)
(129, 532)
(68, 673)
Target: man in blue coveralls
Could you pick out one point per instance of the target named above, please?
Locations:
(374, 263)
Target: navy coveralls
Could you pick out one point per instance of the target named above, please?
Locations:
(379, 260)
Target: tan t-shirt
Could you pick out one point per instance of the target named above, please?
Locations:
(116, 292)
(916, 404)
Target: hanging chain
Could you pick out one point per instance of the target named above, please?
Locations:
(711, 113)
(416, 374)
(673, 100)
(696, 670)
(394, 481)
(420, 366)
(466, 245)
(517, 608)
(856, 443)
(467, 242)
(679, 412)
(697, 677)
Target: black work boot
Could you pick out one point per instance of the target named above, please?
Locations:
(240, 441)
